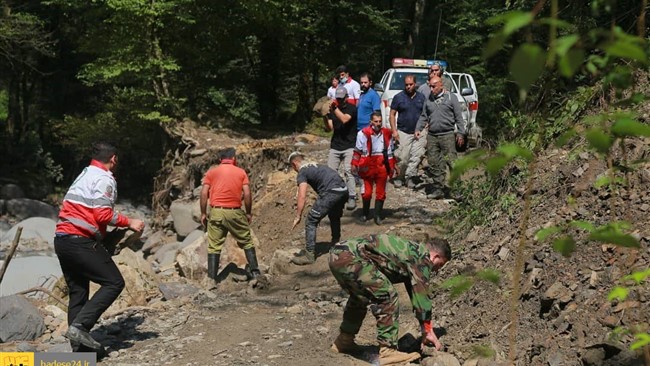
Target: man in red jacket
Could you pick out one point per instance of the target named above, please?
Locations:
(88, 208)
(374, 162)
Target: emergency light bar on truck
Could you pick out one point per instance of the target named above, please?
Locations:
(410, 62)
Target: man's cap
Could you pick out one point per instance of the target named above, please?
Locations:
(341, 92)
(294, 154)
(437, 63)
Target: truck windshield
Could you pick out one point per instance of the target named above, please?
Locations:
(397, 83)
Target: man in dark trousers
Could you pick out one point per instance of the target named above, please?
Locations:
(367, 268)
(88, 208)
(332, 195)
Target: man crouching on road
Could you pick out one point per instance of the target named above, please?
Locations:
(367, 268)
(224, 185)
(88, 208)
(332, 195)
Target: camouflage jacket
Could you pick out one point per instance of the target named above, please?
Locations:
(402, 261)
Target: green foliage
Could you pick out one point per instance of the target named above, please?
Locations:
(236, 104)
(612, 55)
(599, 140)
(460, 284)
(483, 351)
(618, 293)
(527, 64)
(4, 104)
(621, 293)
(611, 234)
(565, 245)
(638, 277)
(123, 126)
(642, 340)
(316, 127)
(489, 275)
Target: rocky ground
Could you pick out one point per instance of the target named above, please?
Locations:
(565, 317)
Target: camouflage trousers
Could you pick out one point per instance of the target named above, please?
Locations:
(367, 286)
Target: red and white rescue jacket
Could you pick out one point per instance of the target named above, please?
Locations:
(88, 205)
(373, 153)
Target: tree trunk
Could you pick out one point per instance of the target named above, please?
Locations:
(414, 36)
(268, 77)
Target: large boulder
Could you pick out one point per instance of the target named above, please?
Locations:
(322, 106)
(192, 260)
(19, 320)
(141, 283)
(153, 242)
(440, 359)
(140, 279)
(166, 255)
(11, 191)
(24, 208)
(27, 272)
(182, 214)
(191, 238)
(38, 234)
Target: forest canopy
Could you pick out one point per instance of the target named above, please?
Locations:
(130, 70)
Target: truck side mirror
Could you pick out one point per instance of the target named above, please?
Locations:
(379, 88)
(466, 92)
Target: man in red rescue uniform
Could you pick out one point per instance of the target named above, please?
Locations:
(374, 162)
(88, 208)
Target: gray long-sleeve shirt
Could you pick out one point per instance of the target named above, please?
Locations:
(442, 113)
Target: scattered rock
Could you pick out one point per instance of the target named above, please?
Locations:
(556, 294)
(19, 320)
(192, 260)
(154, 242)
(286, 344)
(173, 290)
(38, 234)
(24, 208)
(11, 191)
(281, 260)
(182, 215)
(440, 359)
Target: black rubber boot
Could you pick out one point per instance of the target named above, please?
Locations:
(253, 267)
(379, 207)
(213, 265)
(366, 210)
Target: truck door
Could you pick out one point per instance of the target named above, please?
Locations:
(467, 81)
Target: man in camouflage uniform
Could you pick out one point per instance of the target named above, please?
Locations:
(367, 268)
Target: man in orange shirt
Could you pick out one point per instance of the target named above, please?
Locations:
(224, 185)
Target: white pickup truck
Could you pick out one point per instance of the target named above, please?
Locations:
(463, 86)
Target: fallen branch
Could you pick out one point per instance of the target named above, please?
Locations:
(11, 252)
(43, 289)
